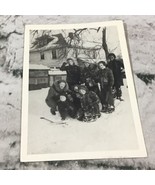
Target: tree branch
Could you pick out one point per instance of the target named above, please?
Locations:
(104, 43)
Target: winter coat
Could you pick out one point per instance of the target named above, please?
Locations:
(89, 100)
(76, 100)
(90, 107)
(105, 77)
(89, 75)
(66, 108)
(54, 94)
(73, 73)
(106, 80)
(116, 66)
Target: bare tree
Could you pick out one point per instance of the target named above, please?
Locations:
(104, 43)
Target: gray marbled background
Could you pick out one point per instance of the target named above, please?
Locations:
(140, 32)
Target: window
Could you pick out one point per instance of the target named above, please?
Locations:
(54, 54)
(42, 56)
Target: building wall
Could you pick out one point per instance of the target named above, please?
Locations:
(38, 79)
(53, 78)
(35, 58)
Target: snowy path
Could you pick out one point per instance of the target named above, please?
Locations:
(110, 132)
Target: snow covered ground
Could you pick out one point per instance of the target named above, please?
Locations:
(110, 132)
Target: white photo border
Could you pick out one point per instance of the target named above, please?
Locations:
(140, 152)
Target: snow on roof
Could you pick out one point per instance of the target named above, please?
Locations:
(47, 47)
(56, 72)
(38, 66)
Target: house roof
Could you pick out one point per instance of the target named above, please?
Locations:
(56, 72)
(47, 47)
(38, 66)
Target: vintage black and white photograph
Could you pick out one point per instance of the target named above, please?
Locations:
(79, 99)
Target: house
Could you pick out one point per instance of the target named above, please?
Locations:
(52, 51)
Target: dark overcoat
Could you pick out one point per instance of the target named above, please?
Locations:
(73, 73)
(89, 77)
(90, 103)
(116, 66)
(106, 80)
(54, 94)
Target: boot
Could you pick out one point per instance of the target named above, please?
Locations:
(110, 109)
(119, 98)
(104, 109)
(53, 112)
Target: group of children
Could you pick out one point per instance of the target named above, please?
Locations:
(88, 91)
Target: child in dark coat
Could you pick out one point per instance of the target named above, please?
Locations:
(106, 80)
(73, 72)
(117, 67)
(76, 97)
(89, 77)
(66, 107)
(90, 109)
(60, 96)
